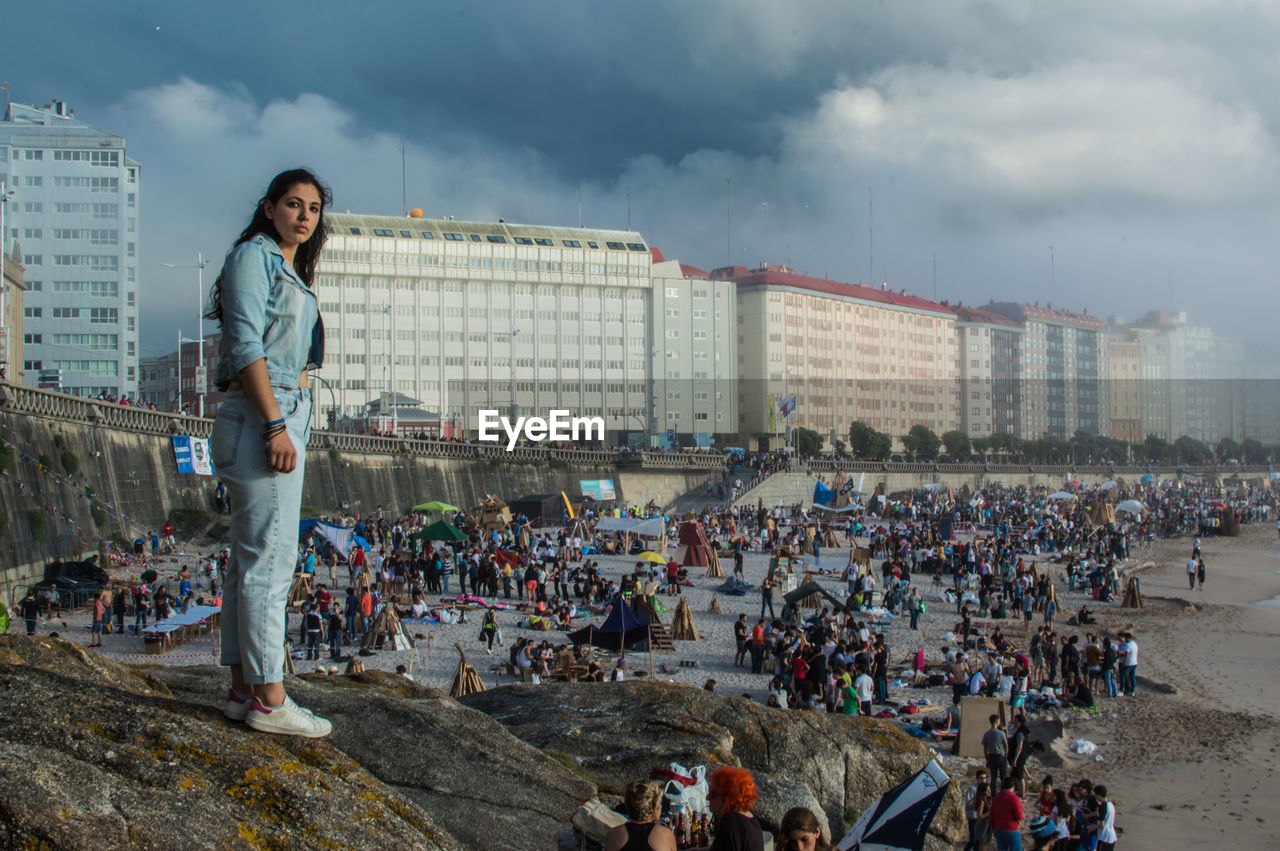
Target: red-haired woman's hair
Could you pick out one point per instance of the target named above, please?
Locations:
(737, 788)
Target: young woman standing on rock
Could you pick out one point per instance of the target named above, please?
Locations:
(271, 335)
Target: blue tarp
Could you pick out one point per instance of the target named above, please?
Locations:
(822, 495)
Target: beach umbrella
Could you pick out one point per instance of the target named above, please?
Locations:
(900, 818)
(441, 531)
(1061, 495)
(1109, 485)
(1131, 506)
(436, 505)
(651, 556)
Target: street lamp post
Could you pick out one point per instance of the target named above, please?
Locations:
(333, 399)
(202, 381)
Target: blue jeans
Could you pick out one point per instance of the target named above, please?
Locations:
(1109, 680)
(767, 601)
(1129, 679)
(1008, 840)
(264, 531)
(335, 644)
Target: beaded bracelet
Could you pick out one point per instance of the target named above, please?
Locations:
(270, 433)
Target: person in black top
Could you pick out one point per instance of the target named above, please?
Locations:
(731, 797)
(29, 608)
(643, 803)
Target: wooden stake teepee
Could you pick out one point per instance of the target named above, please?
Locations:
(713, 569)
(682, 626)
(302, 588)
(714, 608)
(1132, 596)
(465, 679)
(387, 630)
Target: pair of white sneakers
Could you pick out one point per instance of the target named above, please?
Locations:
(287, 719)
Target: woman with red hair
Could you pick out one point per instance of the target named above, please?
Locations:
(732, 795)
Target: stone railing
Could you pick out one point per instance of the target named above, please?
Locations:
(831, 465)
(35, 402)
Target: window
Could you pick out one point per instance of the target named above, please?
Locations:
(32, 339)
(32, 155)
(571, 243)
(453, 237)
(475, 237)
(592, 244)
(495, 238)
(616, 246)
(522, 240)
(31, 312)
(542, 241)
(383, 232)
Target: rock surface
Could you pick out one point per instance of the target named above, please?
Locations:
(110, 756)
(105, 755)
(617, 731)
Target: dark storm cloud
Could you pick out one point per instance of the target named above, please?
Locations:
(1139, 139)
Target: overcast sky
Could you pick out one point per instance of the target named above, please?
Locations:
(1138, 138)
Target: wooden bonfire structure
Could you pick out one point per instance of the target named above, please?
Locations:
(302, 588)
(682, 626)
(715, 608)
(387, 630)
(465, 679)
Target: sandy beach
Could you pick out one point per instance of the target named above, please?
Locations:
(1188, 759)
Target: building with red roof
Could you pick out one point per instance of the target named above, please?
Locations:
(821, 354)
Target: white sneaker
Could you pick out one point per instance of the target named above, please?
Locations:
(287, 719)
(236, 706)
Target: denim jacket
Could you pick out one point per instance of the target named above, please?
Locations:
(267, 312)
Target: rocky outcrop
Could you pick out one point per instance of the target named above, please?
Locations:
(99, 754)
(102, 755)
(616, 732)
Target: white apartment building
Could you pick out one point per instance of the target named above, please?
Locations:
(74, 214)
(695, 356)
(465, 316)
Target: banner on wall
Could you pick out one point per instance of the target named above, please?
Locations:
(191, 454)
(598, 489)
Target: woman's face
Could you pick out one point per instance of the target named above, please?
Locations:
(296, 214)
(801, 840)
(715, 801)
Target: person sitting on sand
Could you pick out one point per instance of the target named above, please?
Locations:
(1076, 693)
(1084, 616)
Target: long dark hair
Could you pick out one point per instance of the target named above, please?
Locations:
(308, 254)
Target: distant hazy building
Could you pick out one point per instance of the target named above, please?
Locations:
(989, 351)
(1179, 367)
(695, 355)
(846, 352)
(466, 316)
(1124, 387)
(75, 214)
(1064, 369)
(12, 289)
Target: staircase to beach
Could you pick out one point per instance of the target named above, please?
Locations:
(795, 486)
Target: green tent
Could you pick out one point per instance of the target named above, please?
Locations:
(435, 505)
(441, 531)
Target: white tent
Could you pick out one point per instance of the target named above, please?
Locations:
(1062, 495)
(1131, 506)
(648, 527)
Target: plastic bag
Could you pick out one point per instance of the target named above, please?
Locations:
(694, 795)
(1084, 747)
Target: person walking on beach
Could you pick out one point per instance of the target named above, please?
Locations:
(1006, 819)
(1128, 656)
(1106, 819)
(272, 334)
(995, 747)
(740, 640)
(1192, 567)
(1200, 571)
(766, 595)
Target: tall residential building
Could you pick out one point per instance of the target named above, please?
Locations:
(1124, 387)
(1190, 377)
(695, 356)
(990, 354)
(465, 316)
(74, 213)
(1064, 370)
(846, 352)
